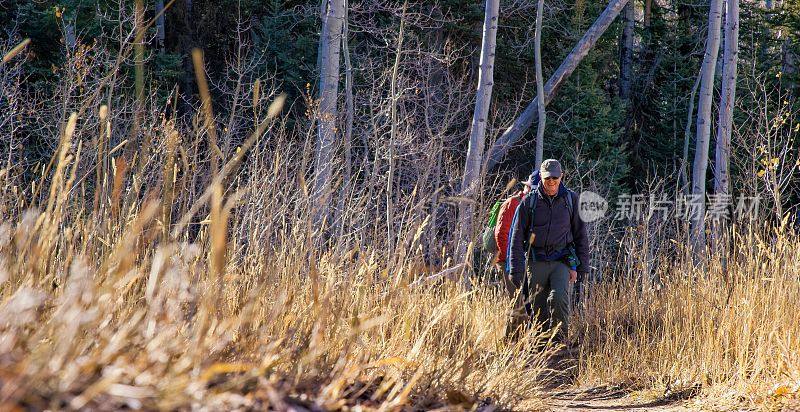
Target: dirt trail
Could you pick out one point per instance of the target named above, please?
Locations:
(565, 396)
(605, 399)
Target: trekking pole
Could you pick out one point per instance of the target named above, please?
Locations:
(526, 281)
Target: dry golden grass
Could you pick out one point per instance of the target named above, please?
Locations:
(113, 305)
(184, 277)
(106, 307)
(730, 334)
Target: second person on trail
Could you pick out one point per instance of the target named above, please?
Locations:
(548, 249)
(502, 230)
(505, 218)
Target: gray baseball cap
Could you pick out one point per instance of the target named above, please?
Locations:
(550, 168)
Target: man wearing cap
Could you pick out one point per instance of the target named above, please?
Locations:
(547, 236)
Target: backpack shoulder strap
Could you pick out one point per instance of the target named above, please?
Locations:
(534, 197)
(570, 205)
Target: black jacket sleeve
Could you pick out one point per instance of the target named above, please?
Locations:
(580, 236)
(518, 240)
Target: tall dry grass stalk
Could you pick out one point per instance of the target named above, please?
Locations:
(15, 51)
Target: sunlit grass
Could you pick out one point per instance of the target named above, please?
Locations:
(730, 333)
(255, 309)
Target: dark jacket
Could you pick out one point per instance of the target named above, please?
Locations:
(554, 229)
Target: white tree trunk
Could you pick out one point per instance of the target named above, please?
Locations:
(348, 125)
(393, 132)
(683, 174)
(727, 99)
(698, 238)
(471, 181)
(329, 51)
(540, 108)
(626, 53)
(70, 38)
(160, 33)
(726, 106)
(788, 60)
(348, 101)
(570, 63)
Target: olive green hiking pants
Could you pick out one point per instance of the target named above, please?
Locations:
(551, 296)
(546, 297)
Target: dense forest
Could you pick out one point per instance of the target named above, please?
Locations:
(620, 120)
(260, 176)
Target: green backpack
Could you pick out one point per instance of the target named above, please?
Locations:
(487, 238)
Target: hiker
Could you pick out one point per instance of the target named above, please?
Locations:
(549, 238)
(494, 239)
(505, 218)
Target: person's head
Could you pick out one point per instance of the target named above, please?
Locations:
(527, 185)
(551, 174)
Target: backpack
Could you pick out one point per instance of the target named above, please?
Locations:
(487, 237)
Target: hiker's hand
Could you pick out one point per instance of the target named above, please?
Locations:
(573, 276)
